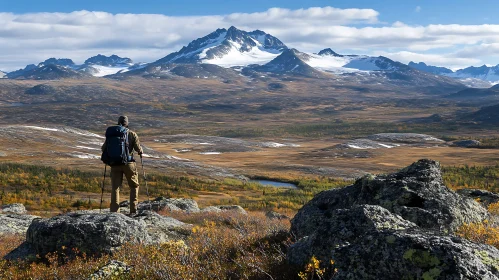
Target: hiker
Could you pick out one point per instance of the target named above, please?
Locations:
(117, 151)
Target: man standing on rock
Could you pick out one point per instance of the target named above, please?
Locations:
(117, 152)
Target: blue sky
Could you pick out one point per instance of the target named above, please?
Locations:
(454, 34)
(432, 11)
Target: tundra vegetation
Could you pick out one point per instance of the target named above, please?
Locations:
(222, 245)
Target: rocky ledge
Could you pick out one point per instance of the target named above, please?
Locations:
(398, 226)
(95, 234)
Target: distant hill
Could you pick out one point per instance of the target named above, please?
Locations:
(430, 69)
(48, 72)
(471, 93)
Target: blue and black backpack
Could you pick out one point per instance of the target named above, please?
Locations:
(117, 152)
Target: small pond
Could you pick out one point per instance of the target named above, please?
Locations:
(274, 184)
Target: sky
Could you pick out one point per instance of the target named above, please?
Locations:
(454, 34)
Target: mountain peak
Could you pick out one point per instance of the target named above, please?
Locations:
(57, 61)
(229, 47)
(421, 66)
(419, 63)
(112, 60)
(329, 52)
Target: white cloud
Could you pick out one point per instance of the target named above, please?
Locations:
(418, 9)
(30, 38)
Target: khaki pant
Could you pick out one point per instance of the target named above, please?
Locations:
(132, 176)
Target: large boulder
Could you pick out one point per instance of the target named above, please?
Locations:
(369, 242)
(16, 208)
(15, 223)
(416, 193)
(95, 233)
(398, 226)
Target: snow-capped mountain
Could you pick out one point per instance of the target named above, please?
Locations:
(98, 66)
(482, 77)
(330, 61)
(484, 72)
(228, 54)
(229, 47)
(101, 65)
(3, 75)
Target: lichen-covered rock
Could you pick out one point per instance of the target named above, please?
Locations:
(225, 208)
(16, 208)
(15, 223)
(343, 227)
(482, 196)
(95, 233)
(369, 242)
(396, 226)
(112, 270)
(170, 204)
(276, 216)
(163, 229)
(416, 193)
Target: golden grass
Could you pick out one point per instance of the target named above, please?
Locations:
(222, 246)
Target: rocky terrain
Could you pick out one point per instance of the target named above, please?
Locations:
(399, 224)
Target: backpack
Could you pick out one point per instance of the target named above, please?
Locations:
(117, 152)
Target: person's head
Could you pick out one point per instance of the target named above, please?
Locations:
(123, 120)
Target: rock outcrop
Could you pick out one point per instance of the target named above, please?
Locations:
(16, 208)
(94, 233)
(416, 193)
(482, 196)
(170, 204)
(15, 223)
(397, 226)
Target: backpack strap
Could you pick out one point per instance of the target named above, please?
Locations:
(127, 144)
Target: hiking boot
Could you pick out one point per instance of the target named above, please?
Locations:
(132, 214)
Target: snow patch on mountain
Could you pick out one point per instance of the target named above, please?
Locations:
(3, 75)
(256, 55)
(101, 71)
(490, 74)
(208, 45)
(334, 64)
(480, 77)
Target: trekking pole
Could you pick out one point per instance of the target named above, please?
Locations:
(145, 180)
(102, 194)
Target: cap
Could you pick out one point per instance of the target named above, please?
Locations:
(123, 120)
